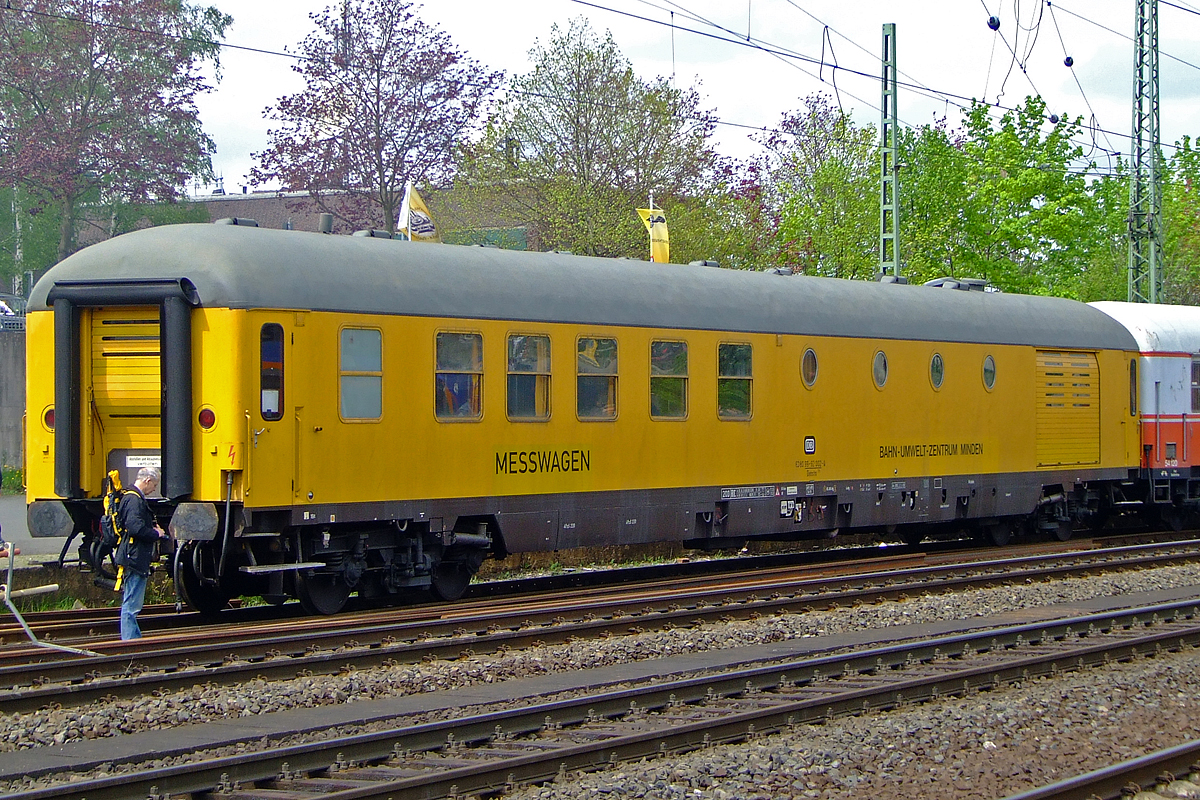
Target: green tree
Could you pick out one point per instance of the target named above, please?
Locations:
(729, 222)
(28, 241)
(935, 201)
(30, 231)
(1104, 274)
(97, 101)
(1181, 225)
(1031, 214)
(387, 100)
(824, 173)
(580, 141)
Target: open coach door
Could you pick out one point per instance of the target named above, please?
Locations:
(122, 388)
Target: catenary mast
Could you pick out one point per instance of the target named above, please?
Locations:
(1145, 189)
(889, 149)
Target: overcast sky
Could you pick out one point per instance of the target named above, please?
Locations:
(945, 45)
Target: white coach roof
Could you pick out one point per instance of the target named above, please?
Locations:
(1158, 328)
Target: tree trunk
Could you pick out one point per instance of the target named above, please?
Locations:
(18, 249)
(66, 232)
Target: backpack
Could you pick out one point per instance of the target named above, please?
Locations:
(111, 530)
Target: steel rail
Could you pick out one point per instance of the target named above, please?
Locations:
(487, 751)
(254, 652)
(62, 629)
(1112, 782)
(61, 624)
(752, 576)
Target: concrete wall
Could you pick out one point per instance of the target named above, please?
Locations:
(12, 395)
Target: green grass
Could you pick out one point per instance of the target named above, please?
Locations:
(10, 480)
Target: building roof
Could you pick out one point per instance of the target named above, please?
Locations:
(242, 267)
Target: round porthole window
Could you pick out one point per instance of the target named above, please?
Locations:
(880, 368)
(808, 368)
(937, 370)
(989, 372)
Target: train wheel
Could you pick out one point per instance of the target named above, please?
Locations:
(998, 533)
(450, 580)
(1173, 518)
(322, 593)
(1064, 530)
(201, 595)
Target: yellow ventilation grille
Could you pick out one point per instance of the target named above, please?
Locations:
(1068, 409)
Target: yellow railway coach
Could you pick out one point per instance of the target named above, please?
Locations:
(337, 414)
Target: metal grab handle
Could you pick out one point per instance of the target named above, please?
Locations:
(47, 589)
(9, 594)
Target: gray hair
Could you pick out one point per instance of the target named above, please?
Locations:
(148, 473)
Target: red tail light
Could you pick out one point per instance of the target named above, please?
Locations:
(207, 418)
(49, 418)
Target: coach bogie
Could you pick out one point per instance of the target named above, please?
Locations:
(195, 570)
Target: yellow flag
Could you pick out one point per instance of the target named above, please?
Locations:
(660, 242)
(415, 221)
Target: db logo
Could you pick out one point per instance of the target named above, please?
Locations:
(810, 445)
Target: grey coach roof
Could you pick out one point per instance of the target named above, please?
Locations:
(242, 267)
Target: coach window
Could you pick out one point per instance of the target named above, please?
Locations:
(528, 377)
(458, 386)
(270, 382)
(361, 373)
(596, 381)
(937, 370)
(668, 380)
(989, 373)
(808, 368)
(1133, 388)
(879, 369)
(734, 378)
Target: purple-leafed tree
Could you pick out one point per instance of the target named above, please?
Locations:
(97, 100)
(387, 100)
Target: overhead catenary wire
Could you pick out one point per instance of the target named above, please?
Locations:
(1013, 50)
(912, 84)
(913, 81)
(959, 101)
(1129, 38)
(736, 40)
(782, 53)
(1074, 75)
(1181, 7)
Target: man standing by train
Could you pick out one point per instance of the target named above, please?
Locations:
(143, 532)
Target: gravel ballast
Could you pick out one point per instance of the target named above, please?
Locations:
(960, 748)
(983, 747)
(202, 703)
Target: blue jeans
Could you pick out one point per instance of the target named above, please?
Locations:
(131, 603)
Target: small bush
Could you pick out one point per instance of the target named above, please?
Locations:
(10, 480)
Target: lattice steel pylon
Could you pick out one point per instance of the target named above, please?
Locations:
(889, 150)
(1145, 190)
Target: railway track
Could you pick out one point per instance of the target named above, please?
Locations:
(489, 750)
(91, 622)
(100, 623)
(1153, 772)
(329, 645)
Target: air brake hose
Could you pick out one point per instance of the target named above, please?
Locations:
(175, 564)
(225, 538)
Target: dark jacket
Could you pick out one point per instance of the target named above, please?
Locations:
(138, 522)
